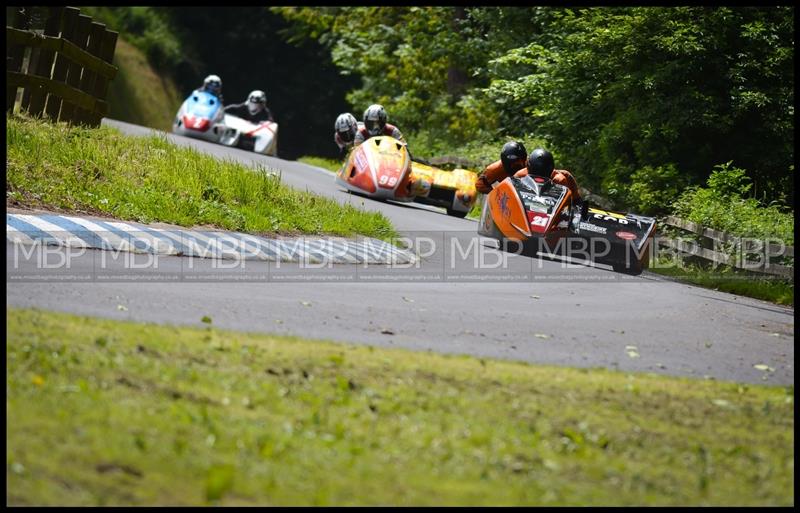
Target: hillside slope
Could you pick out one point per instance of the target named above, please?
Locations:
(140, 95)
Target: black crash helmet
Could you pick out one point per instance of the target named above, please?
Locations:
(512, 152)
(540, 163)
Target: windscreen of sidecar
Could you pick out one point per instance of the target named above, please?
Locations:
(203, 104)
(538, 198)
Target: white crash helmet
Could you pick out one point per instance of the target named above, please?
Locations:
(346, 126)
(213, 83)
(256, 101)
(375, 119)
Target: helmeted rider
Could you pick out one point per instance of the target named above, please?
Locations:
(375, 123)
(212, 84)
(345, 129)
(514, 161)
(253, 110)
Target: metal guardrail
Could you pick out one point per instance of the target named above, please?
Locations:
(731, 250)
(63, 68)
(721, 236)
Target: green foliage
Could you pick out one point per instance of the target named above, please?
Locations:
(722, 206)
(652, 189)
(147, 28)
(146, 179)
(727, 181)
(620, 89)
(416, 61)
(180, 416)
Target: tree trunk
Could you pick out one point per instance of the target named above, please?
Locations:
(456, 77)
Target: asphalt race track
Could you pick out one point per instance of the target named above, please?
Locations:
(535, 310)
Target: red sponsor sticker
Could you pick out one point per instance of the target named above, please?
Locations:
(626, 235)
(538, 221)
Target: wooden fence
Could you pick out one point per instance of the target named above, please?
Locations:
(61, 60)
(771, 256)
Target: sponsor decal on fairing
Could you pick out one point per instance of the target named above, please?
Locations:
(592, 228)
(503, 202)
(361, 162)
(626, 235)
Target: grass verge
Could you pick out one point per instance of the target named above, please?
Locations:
(146, 179)
(726, 279)
(331, 165)
(109, 412)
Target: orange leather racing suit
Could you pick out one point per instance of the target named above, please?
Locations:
(495, 172)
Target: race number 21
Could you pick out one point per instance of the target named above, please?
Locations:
(539, 221)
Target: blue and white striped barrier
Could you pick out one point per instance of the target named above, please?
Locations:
(72, 231)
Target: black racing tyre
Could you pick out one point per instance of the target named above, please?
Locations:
(636, 261)
(635, 268)
(456, 213)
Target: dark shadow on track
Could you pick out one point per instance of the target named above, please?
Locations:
(404, 204)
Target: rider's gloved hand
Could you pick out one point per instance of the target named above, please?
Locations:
(483, 185)
(582, 207)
